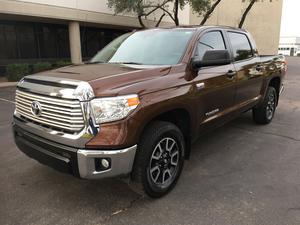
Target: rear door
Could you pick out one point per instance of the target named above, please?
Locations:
(215, 85)
(249, 69)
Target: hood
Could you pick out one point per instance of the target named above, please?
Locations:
(112, 79)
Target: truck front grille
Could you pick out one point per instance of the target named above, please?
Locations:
(56, 113)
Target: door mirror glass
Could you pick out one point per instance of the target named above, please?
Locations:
(212, 58)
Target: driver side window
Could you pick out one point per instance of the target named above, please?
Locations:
(210, 41)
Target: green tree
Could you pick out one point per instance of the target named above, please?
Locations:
(247, 10)
(209, 11)
(141, 8)
(177, 4)
(170, 8)
(144, 8)
(204, 8)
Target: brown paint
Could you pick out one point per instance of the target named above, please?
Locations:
(166, 88)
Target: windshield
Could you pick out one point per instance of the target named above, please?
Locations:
(150, 47)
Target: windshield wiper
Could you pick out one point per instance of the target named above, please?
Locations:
(132, 63)
(95, 62)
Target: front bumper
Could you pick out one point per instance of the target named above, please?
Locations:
(83, 163)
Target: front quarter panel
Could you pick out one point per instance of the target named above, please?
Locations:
(124, 133)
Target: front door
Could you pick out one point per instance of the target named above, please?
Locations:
(215, 86)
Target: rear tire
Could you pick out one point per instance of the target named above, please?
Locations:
(159, 160)
(266, 111)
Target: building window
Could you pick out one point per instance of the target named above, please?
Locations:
(8, 40)
(94, 39)
(31, 42)
(26, 41)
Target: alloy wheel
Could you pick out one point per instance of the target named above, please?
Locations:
(270, 106)
(164, 162)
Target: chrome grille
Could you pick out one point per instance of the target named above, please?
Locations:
(57, 114)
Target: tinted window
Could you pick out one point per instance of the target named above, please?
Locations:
(210, 41)
(240, 46)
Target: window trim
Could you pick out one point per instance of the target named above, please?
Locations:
(252, 50)
(210, 31)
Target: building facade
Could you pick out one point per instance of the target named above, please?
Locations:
(49, 30)
(289, 46)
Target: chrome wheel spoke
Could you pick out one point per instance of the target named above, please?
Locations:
(174, 159)
(153, 170)
(166, 173)
(157, 152)
(168, 147)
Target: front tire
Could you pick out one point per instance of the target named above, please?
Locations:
(266, 111)
(159, 160)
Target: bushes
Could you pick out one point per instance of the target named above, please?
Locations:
(14, 72)
(42, 66)
(61, 64)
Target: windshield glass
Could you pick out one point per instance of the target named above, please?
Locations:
(149, 47)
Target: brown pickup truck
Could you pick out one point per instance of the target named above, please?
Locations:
(135, 109)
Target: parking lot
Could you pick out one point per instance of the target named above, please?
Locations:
(240, 174)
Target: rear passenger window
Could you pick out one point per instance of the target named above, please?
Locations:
(210, 41)
(241, 46)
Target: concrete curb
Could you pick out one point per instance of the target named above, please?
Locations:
(8, 84)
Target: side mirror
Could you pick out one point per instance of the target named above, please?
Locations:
(212, 58)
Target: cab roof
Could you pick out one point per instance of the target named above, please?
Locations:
(198, 27)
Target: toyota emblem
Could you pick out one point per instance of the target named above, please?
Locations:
(36, 108)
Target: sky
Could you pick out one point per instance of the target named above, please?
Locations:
(290, 18)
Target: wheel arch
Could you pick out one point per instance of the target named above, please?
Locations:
(181, 117)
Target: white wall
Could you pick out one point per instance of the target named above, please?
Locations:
(289, 40)
(89, 5)
(100, 6)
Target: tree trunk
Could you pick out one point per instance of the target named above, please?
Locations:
(209, 12)
(141, 21)
(246, 13)
(160, 19)
(176, 7)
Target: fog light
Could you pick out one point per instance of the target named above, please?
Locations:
(102, 164)
(105, 163)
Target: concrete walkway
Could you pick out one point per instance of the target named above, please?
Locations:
(8, 84)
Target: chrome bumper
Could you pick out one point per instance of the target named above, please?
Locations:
(120, 162)
(83, 163)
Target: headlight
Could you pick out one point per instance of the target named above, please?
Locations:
(113, 108)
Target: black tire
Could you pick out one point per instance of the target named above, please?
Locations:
(264, 113)
(157, 153)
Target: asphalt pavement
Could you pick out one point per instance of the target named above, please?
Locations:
(240, 174)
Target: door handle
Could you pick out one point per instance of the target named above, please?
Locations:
(230, 74)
